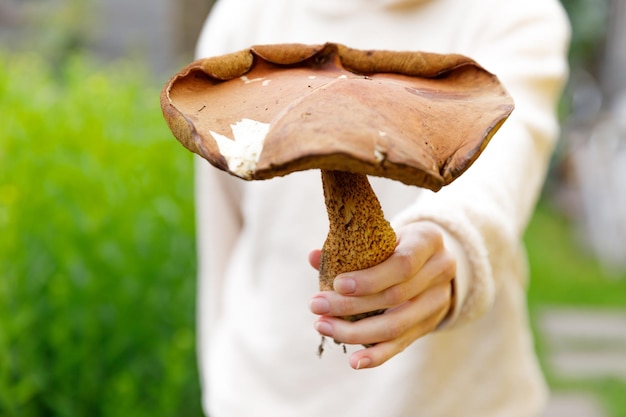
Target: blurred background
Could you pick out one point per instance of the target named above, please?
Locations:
(97, 256)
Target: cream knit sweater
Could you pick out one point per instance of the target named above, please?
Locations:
(256, 342)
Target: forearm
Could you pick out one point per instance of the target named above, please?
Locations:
(484, 213)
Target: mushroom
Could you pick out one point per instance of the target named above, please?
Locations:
(270, 110)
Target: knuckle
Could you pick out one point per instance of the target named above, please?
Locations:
(348, 334)
(345, 306)
(436, 319)
(394, 330)
(406, 264)
(396, 295)
(433, 234)
(428, 234)
(449, 265)
(446, 294)
(438, 296)
(403, 344)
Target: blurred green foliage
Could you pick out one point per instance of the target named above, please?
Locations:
(562, 272)
(97, 261)
(588, 19)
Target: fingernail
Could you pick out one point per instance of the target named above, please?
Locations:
(319, 305)
(344, 285)
(363, 363)
(324, 328)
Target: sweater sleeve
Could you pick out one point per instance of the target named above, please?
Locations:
(484, 213)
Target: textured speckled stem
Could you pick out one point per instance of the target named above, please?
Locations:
(359, 236)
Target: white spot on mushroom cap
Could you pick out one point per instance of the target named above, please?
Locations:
(380, 153)
(247, 80)
(243, 153)
(266, 83)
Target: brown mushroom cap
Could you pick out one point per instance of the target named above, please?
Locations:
(419, 118)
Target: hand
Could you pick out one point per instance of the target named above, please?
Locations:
(414, 284)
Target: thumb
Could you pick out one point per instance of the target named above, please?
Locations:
(314, 258)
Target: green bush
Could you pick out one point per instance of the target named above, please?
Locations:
(97, 257)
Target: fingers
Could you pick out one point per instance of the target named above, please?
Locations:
(413, 286)
(314, 258)
(416, 245)
(392, 331)
(439, 269)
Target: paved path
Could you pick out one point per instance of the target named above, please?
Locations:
(574, 404)
(583, 345)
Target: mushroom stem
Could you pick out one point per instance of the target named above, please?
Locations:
(359, 236)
